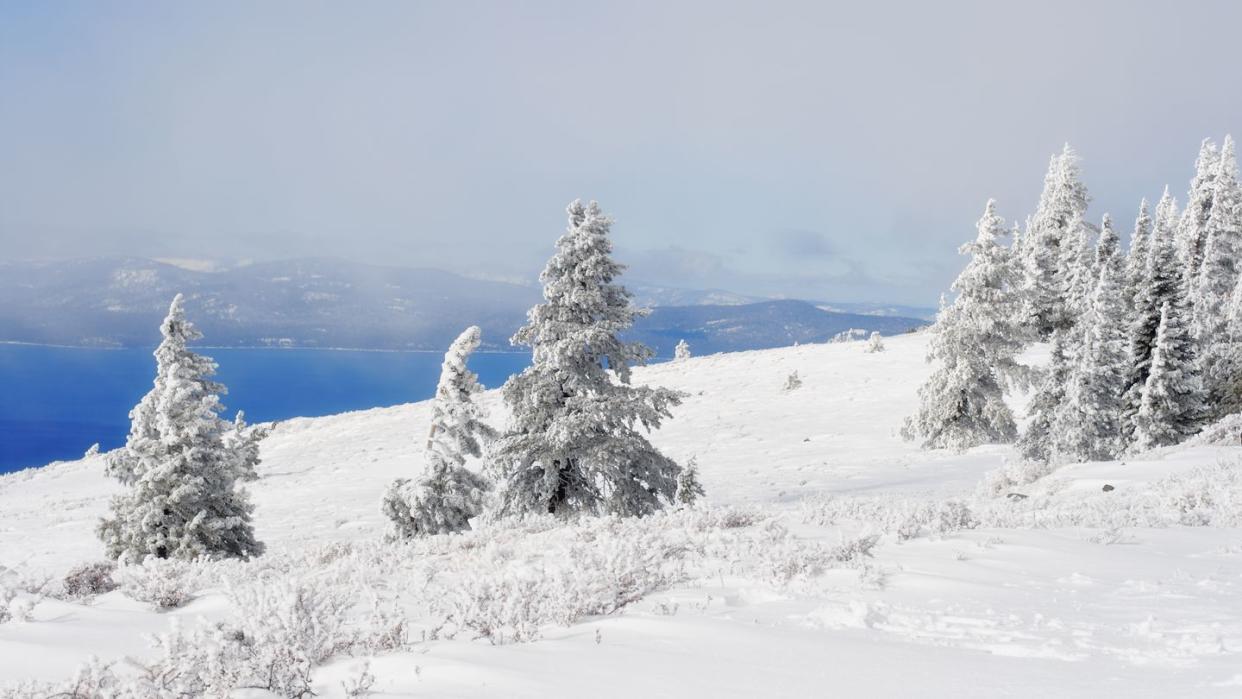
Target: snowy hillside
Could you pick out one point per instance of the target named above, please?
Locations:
(775, 588)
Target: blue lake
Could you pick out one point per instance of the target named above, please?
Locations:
(56, 402)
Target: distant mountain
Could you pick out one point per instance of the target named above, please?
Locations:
(328, 303)
(880, 309)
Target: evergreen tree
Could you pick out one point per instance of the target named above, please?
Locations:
(447, 495)
(1077, 270)
(1036, 442)
(1192, 227)
(1137, 260)
(875, 343)
(1218, 275)
(1088, 423)
(975, 344)
(574, 445)
(1161, 282)
(689, 489)
(182, 500)
(1172, 402)
(243, 441)
(1064, 198)
(682, 351)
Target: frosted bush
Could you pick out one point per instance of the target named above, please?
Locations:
(164, 584)
(90, 579)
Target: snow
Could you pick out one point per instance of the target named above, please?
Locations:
(984, 612)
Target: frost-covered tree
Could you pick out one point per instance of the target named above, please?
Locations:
(447, 495)
(1162, 281)
(574, 443)
(1087, 426)
(1077, 270)
(1036, 442)
(1218, 275)
(1140, 247)
(1192, 227)
(1172, 399)
(875, 343)
(243, 441)
(689, 489)
(682, 351)
(792, 382)
(974, 344)
(182, 498)
(1064, 198)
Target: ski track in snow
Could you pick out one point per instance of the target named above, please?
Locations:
(985, 612)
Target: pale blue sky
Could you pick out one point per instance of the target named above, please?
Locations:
(804, 149)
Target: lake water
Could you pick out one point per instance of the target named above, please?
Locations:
(56, 402)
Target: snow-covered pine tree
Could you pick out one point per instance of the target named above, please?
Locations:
(682, 351)
(447, 495)
(689, 489)
(1172, 403)
(1077, 270)
(574, 444)
(1136, 259)
(974, 343)
(1192, 227)
(1162, 281)
(1036, 442)
(243, 441)
(1063, 198)
(1218, 275)
(1087, 426)
(183, 499)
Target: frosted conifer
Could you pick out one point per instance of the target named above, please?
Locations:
(182, 498)
(243, 441)
(1036, 441)
(1172, 399)
(1161, 282)
(689, 489)
(574, 444)
(447, 495)
(974, 344)
(1064, 198)
(1192, 230)
(1218, 275)
(682, 351)
(1088, 423)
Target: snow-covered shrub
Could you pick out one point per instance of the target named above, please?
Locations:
(164, 584)
(682, 351)
(784, 558)
(689, 489)
(90, 579)
(875, 343)
(7, 595)
(906, 518)
(614, 566)
(792, 382)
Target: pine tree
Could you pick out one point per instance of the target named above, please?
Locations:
(1136, 258)
(447, 495)
(182, 499)
(243, 441)
(574, 445)
(975, 344)
(689, 489)
(1161, 282)
(1088, 422)
(1036, 442)
(1064, 198)
(682, 351)
(1077, 270)
(1172, 402)
(1218, 275)
(1192, 227)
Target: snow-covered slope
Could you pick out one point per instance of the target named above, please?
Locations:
(1093, 606)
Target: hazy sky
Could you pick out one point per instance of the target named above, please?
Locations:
(822, 150)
